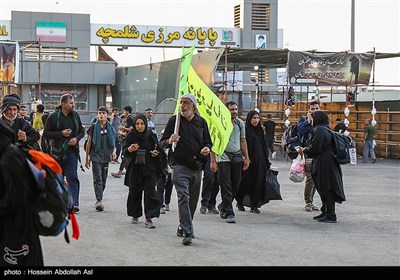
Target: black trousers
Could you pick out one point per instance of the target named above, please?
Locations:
(229, 176)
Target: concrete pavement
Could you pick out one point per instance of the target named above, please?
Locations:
(367, 232)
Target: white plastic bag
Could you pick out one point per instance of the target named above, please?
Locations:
(297, 169)
(353, 156)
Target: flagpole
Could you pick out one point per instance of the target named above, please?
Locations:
(178, 114)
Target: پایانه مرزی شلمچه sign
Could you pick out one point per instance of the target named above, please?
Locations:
(163, 36)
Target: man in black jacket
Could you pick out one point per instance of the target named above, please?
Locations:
(188, 157)
(25, 133)
(63, 130)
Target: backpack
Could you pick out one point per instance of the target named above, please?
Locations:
(54, 205)
(290, 139)
(341, 147)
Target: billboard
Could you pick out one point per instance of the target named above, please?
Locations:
(330, 69)
(9, 62)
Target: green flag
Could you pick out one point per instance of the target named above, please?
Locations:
(213, 110)
(186, 59)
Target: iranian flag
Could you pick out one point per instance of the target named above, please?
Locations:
(51, 31)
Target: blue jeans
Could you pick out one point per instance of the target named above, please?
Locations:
(210, 187)
(118, 148)
(70, 171)
(368, 150)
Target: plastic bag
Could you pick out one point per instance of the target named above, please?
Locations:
(353, 156)
(297, 169)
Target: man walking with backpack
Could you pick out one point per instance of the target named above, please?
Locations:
(304, 128)
(63, 130)
(101, 149)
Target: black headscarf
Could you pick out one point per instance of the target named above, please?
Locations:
(249, 126)
(255, 132)
(320, 117)
(140, 137)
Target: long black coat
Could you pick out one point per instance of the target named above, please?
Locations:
(326, 172)
(19, 240)
(253, 179)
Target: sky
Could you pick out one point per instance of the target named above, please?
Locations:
(323, 25)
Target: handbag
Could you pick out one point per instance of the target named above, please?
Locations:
(140, 157)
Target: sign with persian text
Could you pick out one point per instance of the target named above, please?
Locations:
(330, 69)
(163, 36)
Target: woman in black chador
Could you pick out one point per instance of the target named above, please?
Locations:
(325, 170)
(253, 179)
(146, 160)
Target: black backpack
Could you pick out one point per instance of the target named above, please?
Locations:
(341, 146)
(54, 206)
(290, 139)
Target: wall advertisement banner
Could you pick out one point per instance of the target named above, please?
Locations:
(329, 69)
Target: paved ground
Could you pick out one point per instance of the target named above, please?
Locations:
(366, 234)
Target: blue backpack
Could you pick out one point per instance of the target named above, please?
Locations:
(54, 206)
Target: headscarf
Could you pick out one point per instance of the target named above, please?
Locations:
(320, 118)
(249, 126)
(140, 137)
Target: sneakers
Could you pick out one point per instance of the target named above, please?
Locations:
(240, 207)
(203, 209)
(99, 206)
(273, 155)
(308, 207)
(162, 210)
(135, 220)
(166, 207)
(230, 219)
(314, 208)
(374, 160)
(213, 210)
(221, 213)
(76, 209)
(149, 224)
(255, 210)
(187, 239)
(179, 232)
(116, 175)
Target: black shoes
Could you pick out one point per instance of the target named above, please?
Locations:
(179, 232)
(255, 210)
(327, 219)
(76, 209)
(221, 213)
(319, 216)
(187, 239)
(240, 207)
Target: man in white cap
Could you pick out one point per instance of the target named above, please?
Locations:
(193, 145)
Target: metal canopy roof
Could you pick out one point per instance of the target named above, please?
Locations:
(246, 59)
